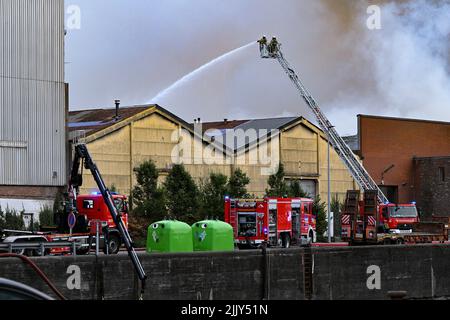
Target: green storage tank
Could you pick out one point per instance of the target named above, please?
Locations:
(212, 235)
(169, 236)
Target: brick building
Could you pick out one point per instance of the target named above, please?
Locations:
(392, 149)
(432, 185)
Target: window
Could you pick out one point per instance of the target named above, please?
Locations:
(88, 204)
(403, 212)
(441, 174)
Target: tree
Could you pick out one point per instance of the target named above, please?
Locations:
(336, 208)
(295, 190)
(237, 184)
(182, 195)
(319, 209)
(46, 216)
(146, 197)
(277, 185)
(11, 219)
(212, 193)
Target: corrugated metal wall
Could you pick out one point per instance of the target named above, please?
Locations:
(32, 94)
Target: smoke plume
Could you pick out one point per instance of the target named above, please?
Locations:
(134, 50)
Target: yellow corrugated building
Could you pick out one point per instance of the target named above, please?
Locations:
(120, 143)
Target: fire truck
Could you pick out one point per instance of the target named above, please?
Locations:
(278, 222)
(368, 222)
(90, 209)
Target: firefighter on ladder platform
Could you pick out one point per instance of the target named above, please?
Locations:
(263, 47)
(273, 47)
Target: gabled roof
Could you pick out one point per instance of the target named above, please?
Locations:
(98, 122)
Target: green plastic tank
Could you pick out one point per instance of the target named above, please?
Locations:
(212, 235)
(169, 236)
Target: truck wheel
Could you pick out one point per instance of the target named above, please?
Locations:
(113, 244)
(286, 240)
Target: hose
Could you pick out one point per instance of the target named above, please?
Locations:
(36, 269)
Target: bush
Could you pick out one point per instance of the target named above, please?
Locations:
(46, 217)
(11, 219)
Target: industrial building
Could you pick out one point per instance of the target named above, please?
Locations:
(32, 103)
(404, 156)
(120, 139)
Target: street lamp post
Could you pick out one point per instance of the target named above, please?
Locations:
(329, 185)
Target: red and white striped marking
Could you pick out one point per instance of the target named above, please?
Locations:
(345, 219)
(371, 220)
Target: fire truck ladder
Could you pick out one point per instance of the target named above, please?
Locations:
(82, 153)
(358, 172)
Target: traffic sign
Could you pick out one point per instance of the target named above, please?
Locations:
(71, 220)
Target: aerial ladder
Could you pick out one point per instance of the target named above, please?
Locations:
(82, 155)
(272, 50)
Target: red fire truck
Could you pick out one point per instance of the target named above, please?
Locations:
(279, 222)
(363, 219)
(368, 222)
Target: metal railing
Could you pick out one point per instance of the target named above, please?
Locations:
(41, 246)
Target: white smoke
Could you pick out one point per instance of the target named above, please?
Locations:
(407, 62)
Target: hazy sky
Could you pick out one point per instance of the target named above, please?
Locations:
(134, 49)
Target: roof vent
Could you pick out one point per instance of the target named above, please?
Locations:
(117, 102)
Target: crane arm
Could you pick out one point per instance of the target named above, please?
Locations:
(82, 153)
(358, 172)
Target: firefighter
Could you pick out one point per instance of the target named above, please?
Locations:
(273, 46)
(262, 42)
(263, 45)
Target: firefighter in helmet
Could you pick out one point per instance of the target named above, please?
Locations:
(262, 42)
(263, 45)
(273, 46)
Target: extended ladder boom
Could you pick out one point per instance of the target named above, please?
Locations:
(82, 153)
(272, 50)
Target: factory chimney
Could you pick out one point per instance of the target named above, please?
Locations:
(117, 102)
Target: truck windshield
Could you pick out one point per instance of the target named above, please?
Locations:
(403, 212)
(119, 204)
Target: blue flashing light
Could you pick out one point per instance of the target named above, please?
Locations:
(265, 230)
(95, 193)
(414, 203)
(227, 198)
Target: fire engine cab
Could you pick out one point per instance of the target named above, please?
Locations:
(279, 222)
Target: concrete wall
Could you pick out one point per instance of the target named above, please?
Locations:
(200, 276)
(333, 273)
